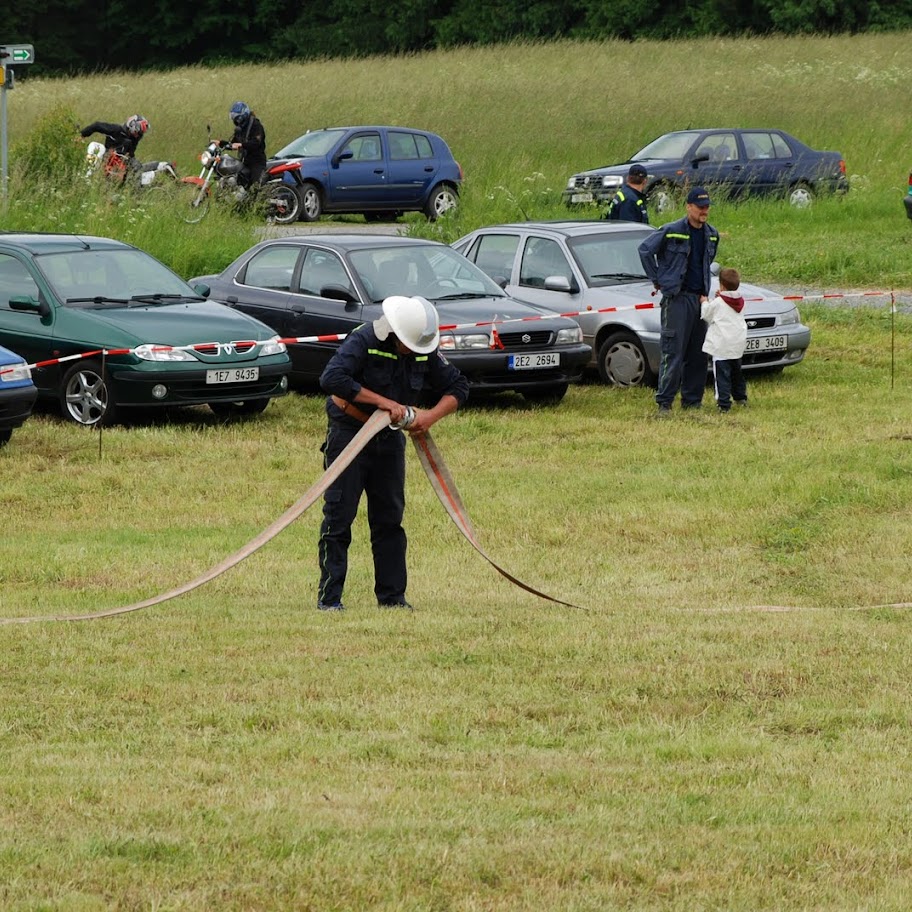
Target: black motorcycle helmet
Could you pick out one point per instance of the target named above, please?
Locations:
(239, 114)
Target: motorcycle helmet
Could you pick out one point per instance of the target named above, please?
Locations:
(136, 125)
(413, 320)
(239, 114)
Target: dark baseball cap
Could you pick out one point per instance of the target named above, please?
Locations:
(698, 196)
(638, 172)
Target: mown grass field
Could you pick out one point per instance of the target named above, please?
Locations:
(724, 723)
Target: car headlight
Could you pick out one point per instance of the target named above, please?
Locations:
(569, 336)
(609, 181)
(272, 347)
(451, 342)
(789, 317)
(155, 351)
(13, 372)
(571, 183)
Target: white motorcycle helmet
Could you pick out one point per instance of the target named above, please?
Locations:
(413, 320)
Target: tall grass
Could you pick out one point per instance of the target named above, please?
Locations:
(521, 118)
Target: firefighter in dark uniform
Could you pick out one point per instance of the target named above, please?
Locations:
(677, 258)
(388, 364)
(629, 203)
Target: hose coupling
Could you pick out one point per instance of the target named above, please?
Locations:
(407, 420)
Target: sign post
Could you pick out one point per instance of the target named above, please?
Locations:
(10, 55)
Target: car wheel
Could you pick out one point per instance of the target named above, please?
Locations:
(547, 395)
(443, 198)
(239, 409)
(311, 202)
(5, 434)
(663, 198)
(622, 361)
(380, 216)
(801, 196)
(85, 397)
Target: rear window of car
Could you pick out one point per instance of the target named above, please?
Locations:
(765, 145)
(405, 146)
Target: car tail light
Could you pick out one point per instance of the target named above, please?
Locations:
(461, 175)
(842, 169)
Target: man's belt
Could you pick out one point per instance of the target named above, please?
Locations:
(349, 409)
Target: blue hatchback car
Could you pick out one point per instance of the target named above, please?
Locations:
(17, 393)
(380, 172)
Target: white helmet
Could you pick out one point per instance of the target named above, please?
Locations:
(413, 320)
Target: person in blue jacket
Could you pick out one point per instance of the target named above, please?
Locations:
(388, 364)
(629, 203)
(677, 258)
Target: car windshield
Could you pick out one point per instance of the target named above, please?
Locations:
(311, 145)
(609, 258)
(430, 271)
(672, 146)
(111, 275)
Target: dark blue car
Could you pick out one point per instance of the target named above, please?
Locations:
(17, 393)
(380, 172)
(737, 163)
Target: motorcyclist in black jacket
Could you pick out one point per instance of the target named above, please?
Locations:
(250, 139)
(122, 138)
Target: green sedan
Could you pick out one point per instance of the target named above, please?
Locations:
(111, 328)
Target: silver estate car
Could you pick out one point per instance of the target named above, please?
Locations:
(593, 267)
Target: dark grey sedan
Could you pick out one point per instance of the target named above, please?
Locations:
(326, 285)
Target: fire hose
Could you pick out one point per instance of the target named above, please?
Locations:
(431, 461)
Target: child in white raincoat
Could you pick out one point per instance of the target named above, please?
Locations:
(726, 338)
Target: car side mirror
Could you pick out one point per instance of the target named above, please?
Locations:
(503, 281)
(561, 283)
(347, 155)
(700, 158)
(27, 303)
(202, 290)
(338, 293)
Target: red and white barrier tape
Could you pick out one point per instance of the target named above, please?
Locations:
(246, 345)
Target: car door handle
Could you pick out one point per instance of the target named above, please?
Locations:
(231, 299)
(378, 170)
(298, 308)
(429, 169)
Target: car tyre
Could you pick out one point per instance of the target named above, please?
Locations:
(241, 409)
(801, 196)
(443, 198)
(311, 202)
(546, 395)
(5, 434)
(664, 198)
(85, 397)
(622, 361)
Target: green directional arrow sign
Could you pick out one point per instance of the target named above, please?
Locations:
(19, 53)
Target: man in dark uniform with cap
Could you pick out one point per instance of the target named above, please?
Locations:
(677, 257)
(629, 203)
(388, 364)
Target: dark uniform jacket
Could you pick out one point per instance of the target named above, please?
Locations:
(252, 138)
(665, 251)
(363, 360)
(628, 205)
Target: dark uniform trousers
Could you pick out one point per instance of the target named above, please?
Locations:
(378, 471)
(683, 362)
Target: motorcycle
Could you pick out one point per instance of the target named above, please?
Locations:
(116, 167)
(219, 176)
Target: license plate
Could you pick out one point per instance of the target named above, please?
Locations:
(581, 198)
(533, 362)
(233, 375)
(766, 343)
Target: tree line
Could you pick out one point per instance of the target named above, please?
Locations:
(72, 36)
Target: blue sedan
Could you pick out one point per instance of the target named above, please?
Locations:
(735, 163)
(378, 171)
(17, 393)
